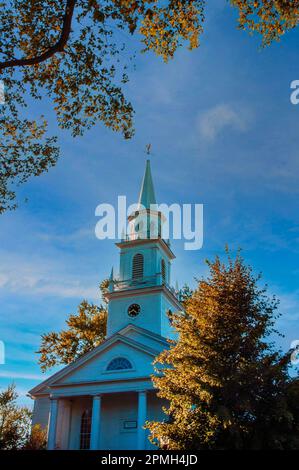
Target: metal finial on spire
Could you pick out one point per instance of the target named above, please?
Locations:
(148, 149)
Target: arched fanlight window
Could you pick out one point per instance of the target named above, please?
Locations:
(119, 363)
(163, 271)
(137, 270)
(85, 429)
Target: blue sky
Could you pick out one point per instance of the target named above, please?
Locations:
(224, 134)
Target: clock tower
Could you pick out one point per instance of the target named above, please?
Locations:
(103, 399)
(141, 294)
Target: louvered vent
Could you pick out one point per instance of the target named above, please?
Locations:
(137, 266)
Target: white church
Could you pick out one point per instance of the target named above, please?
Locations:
(103, 399)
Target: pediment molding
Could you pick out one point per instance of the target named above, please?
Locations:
(119, 337)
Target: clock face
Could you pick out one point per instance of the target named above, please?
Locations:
(133, 310)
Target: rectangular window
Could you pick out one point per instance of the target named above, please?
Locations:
(85, 431)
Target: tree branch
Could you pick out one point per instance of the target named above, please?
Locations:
(58, 47)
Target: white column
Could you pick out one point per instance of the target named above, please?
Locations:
(95, 423)
(64, 424)
(52, 424)
(141, 419)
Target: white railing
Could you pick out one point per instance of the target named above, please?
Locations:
(137, 283)
(144, 236)
(141, 236)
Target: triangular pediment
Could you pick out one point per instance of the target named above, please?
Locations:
(137, 345)
(144, 336)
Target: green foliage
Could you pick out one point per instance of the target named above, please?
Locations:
(15, 421)
(271, 19)
(185, 294)
(37, 439)
(85, 330)
(73, 54)
(226, 384)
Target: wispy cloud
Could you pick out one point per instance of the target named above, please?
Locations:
(289, 307)
(287, 323)
(43, 277)
(19, 375)
(213, 121)
(77, 235)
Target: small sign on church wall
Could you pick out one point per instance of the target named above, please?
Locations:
(130, 424)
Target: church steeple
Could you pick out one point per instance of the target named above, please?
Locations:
(142, 292)
(147, 192)
(146, 221)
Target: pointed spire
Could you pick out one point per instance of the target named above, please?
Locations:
(147, 193)
(111, 283)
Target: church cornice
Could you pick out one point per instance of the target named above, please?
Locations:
(144, 290)
(102, 381)
(92, 388)
(146, 241)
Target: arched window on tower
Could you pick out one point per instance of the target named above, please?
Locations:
(85, 429)
(137, 270)
(163, 271)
